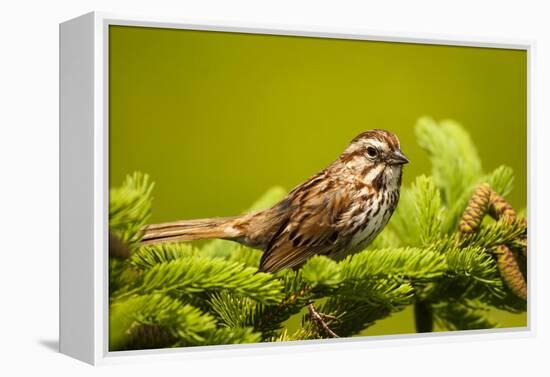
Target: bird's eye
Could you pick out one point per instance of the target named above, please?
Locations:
(372, 152)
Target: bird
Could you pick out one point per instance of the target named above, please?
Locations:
(337, 212)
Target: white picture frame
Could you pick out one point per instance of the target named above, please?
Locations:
(84, 189)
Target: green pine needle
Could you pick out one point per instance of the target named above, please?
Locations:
(199, 274)
(178, 294)
(321, 271)
(181, 320)
(466, 315)
(130, 207)
(421, 202)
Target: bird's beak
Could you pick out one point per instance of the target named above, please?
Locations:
(398, 158)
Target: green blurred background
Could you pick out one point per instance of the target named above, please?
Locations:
(217, 118)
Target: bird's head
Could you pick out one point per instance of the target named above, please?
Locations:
(375, 153)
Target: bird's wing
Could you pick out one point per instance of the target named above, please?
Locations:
(311, 227)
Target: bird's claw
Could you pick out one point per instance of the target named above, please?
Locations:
(320, 320)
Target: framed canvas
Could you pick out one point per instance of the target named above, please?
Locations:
(238, 189)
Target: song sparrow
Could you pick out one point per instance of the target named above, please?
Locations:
(338, 211)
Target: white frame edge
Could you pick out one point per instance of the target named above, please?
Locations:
(76, 179)
(84, 190)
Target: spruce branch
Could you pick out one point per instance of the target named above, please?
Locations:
(352, 316)
(227, 335)
(232, 310)
(495, 233)
(422, 202)
(149, 336)
(500, 180)
(456, 165)
(462, 315)
(198, 274)
(147, 257)
(179, 320)
(420, 264)
(129, 209)
(236, 311)
(472, 263)
(180, 294)
(320, 271)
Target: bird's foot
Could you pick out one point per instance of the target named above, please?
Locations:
(320, 321)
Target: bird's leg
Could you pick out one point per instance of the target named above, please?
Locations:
(319, 320)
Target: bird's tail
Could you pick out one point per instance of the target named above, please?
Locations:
(191, 230)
